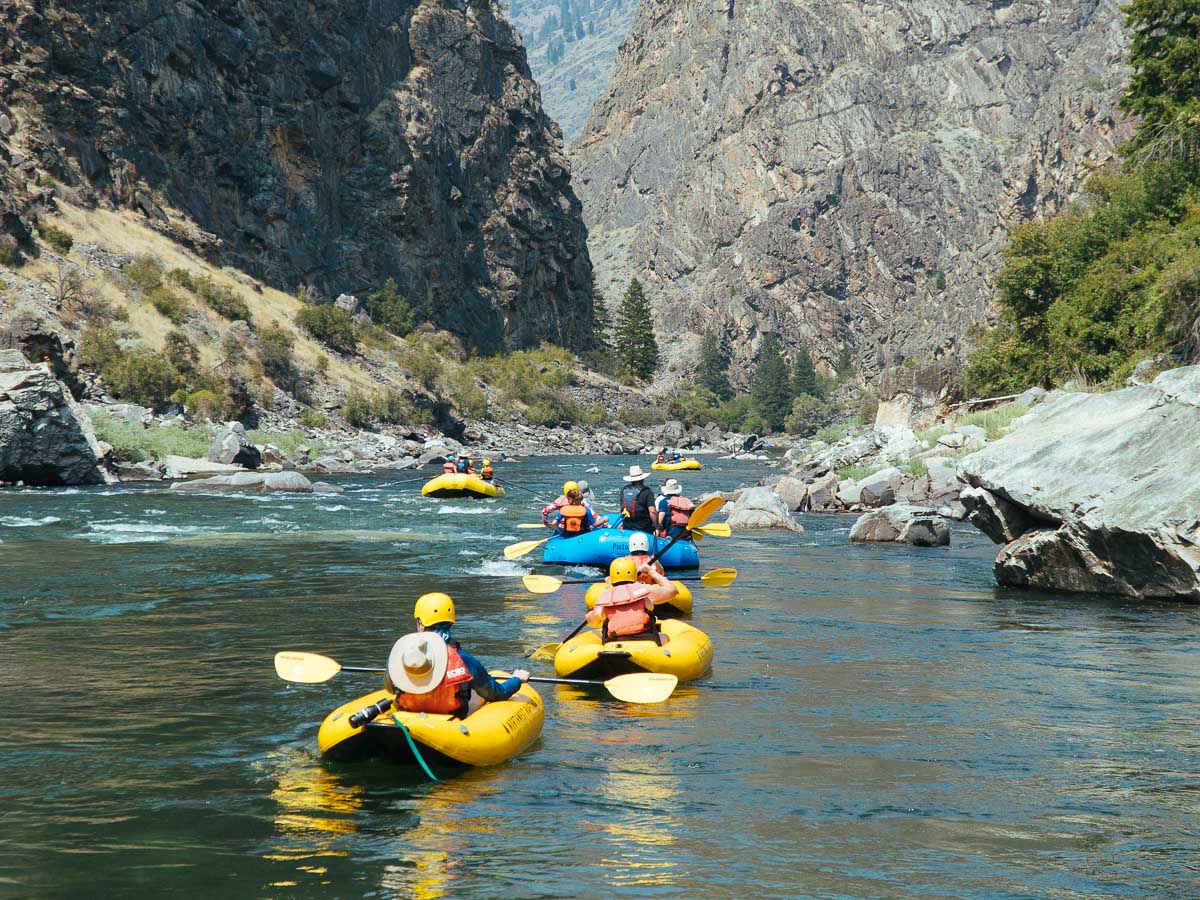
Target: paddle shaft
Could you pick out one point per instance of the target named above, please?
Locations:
(580, 681)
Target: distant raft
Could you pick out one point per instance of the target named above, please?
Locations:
(687, 654)
(680, 606)
(601, 546)
(457, 484)
(676, 466)
(494, 733)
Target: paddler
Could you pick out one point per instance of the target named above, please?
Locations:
(640, 514)
(674, 509)
(487, 473)
(574, 517)
(625, 611)
(429, 672)
(464, 465)
(586, 491)
(561, 501)
(639, 552)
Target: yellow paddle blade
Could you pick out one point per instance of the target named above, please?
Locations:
(719, 577)
(531, 525)
(716, 529)
(702, 512)
(306, 668)
(541, 584)
(697, 536)
(642, 687)
(516, 551)
(545, 652)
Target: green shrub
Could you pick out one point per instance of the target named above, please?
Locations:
(424, 364)
(221, 300)
(183, 278)
(831, 434)
(134, 442)
(459, 387)
(856, 473)
(168, 303)
(144, 377)
(98, 347)
(289, 442)
(388, 308)
(638, 416)
(995, 421)
(181, 353)
(807, 416)
(358, 410)
(8, 253)
(312, 418)
(145, 271)
(56, 237)
(275, 353)
(322, 363)
(202, 404)
(916, 468)
(331, 326)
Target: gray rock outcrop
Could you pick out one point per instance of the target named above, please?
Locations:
(46, 438)
(231, 447)
(760, 507)
(249, 483)
(331, 143)
(1108, 489)
(903, 524)
(836, 172)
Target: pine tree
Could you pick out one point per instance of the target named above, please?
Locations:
(601, 323)
(804, 376)
(1164, 90)
(713, 361)
(634, 333)
(772, 389)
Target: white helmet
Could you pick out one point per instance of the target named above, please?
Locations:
(639, 542)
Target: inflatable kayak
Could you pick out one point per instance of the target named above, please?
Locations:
(494, 733)
(680, 606)
(676, 466)
(459, 485)
(687, 654)
(601, 546)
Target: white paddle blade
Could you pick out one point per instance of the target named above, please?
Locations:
(642, 687)
(305, 668)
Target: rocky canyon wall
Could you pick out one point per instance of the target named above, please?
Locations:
(842, 173)
(335, 143)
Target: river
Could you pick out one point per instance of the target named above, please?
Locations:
(879, 721)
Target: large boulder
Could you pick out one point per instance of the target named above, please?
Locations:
(760, 507)
(1109, 481)
(249, 483)
(994, 516)
(232, 447)
(879, 488)
(45, 436)
(792, 491)
(901, 523)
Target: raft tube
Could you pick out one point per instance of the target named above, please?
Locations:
(458, 485)
(676, 466)
(687, 654)
(680, 606)
(494, 733)
(601, 546)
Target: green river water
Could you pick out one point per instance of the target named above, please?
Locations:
(879, 720)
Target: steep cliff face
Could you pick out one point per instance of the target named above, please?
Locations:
(572, 47)
(334, 142)
(840, 172)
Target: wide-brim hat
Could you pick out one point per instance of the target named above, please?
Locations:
(417, 663)
(584, 488)
(672, 487)
(636, 474)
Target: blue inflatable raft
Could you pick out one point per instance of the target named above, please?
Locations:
(601, 546)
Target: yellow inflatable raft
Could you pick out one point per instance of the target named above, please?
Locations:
(494, 733)
(680, 606)
(676, 466)
(686, 654)
(459, 485)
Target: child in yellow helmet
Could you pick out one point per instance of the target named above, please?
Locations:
(625, 611)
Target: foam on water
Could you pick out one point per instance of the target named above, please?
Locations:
(21, 522)
(462, 511)
(338, 508)
(139, 532)
(499, 567)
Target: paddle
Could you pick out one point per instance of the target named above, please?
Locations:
(699, 516)
(636, 687)
(545, 584)
(532, 525)
(716, 529)
(516, 551)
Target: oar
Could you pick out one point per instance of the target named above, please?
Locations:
(699, 516)
(532, 525)
(536, 495)
(516, 551)
(546, 584)
(636, 687)
(716, 529)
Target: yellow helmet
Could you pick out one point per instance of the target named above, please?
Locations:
(622, 570)
(434, 608)
(487, 462)
(569, 486)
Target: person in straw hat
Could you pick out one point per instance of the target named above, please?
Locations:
(429, 672)
(674, 509)
(640, 513)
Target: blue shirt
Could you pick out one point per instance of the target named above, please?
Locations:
(482, 681)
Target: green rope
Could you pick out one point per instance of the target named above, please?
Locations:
(412, 745)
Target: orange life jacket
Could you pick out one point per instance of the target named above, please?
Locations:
(625, 610)
(487, 473)
(445, 697)
(449, 468)
(573, 519)
(681, 509)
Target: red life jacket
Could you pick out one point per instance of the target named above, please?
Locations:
(573, 519)
(625, 610)
(681, 509)
(445, 697)
(449, 468)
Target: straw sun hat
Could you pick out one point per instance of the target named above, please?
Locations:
(417, 663)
